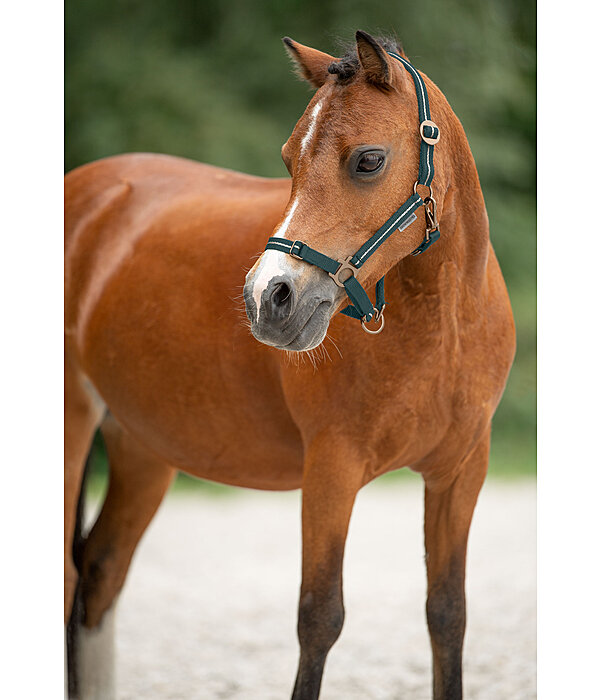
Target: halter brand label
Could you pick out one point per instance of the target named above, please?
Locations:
(408, 222)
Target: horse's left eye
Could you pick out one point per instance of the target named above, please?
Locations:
(369, 162)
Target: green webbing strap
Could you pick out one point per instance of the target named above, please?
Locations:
(352, 310)
(399, 220)
(429, 131)
(361, 306)
(433, 237)
(300, 250)
(353, 287)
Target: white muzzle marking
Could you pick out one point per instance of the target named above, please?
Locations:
(274, 262)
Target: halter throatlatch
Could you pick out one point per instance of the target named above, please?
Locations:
(343, 272)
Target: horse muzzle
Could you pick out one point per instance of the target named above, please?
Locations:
(286, 317)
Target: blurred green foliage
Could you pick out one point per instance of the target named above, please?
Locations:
(210, 80)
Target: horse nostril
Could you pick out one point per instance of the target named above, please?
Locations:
(279, 300)
(280, 294)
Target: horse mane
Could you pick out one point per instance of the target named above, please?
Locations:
(348, 65)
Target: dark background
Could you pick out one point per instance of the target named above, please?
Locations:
(211, 81)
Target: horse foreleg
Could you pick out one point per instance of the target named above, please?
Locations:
(448, 515)
(329, 488)
(138, 482)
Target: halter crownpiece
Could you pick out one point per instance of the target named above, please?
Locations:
(343, 272)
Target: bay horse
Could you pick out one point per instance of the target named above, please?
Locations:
(159, 355)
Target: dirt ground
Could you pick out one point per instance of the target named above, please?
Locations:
(209, 608)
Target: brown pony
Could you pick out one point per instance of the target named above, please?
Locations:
(159, 356)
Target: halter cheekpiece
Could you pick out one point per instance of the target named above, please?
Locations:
(343, 272)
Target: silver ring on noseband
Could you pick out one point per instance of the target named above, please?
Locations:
(378, 316)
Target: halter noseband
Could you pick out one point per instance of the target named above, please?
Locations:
(343, 272)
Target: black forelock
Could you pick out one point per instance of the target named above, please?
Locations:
(348, 65)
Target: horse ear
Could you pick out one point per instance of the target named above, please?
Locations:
(312, 64)
(375, 60)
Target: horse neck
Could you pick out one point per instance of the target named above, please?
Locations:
(463, 222)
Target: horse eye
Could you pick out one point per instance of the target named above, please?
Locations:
(369, 162)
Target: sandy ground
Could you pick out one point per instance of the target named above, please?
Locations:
(209, 608)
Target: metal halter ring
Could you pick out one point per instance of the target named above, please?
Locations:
(377, 317)
(429, 187)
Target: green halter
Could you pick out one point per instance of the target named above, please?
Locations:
(343, 272)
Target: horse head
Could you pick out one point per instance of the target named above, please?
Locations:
(353, 158)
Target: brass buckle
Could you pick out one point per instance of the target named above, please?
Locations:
(378, 316)
(292, 248)
(345, 265)
(428, 139)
